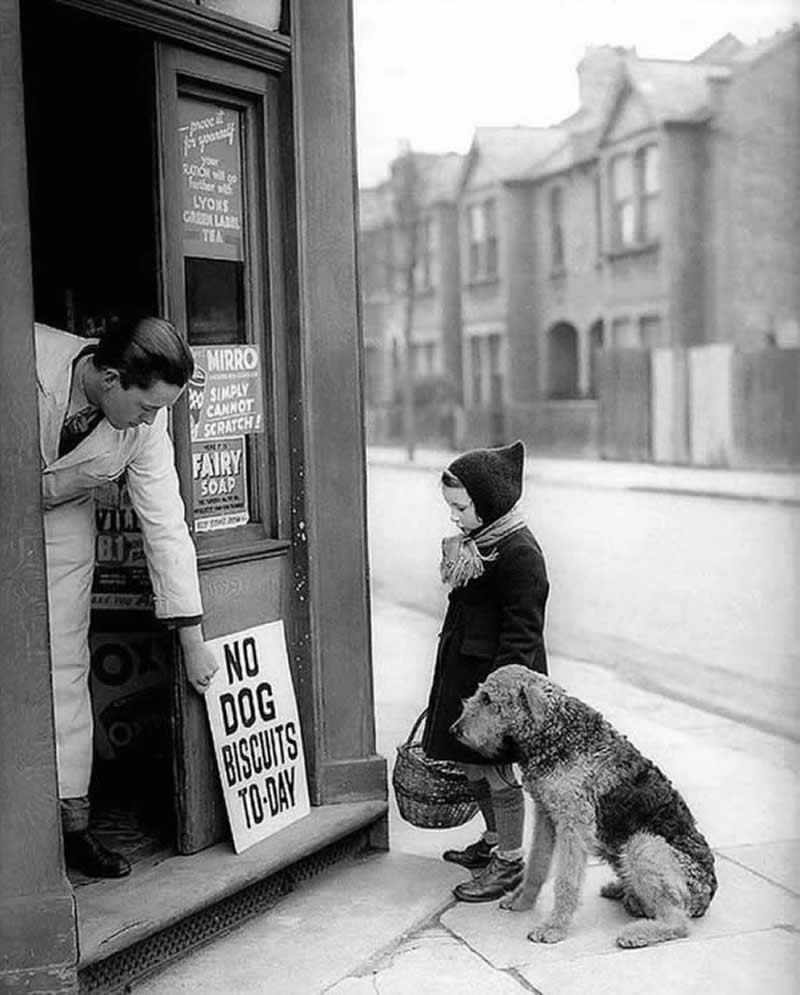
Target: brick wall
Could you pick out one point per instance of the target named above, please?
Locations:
(757, 200)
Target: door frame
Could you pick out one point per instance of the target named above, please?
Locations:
(264, 547)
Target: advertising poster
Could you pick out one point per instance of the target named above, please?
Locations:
(256, 732)
(225, 396)
(121, 579)
(130, 681)
(211, 180)
(219, 484)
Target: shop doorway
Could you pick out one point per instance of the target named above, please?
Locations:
(93, 206)
(156, 180)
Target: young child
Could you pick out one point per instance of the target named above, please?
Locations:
(495, 615)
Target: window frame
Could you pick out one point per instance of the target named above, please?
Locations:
(556, 199)
(256, 95)
(482, 247)
(633, 211)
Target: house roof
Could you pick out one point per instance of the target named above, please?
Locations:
(511, 153)
(723, 50)
(440, 175)
(674, 91)
(751, 53)
(439, 181)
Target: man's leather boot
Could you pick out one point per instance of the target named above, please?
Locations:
(499, 877)
(85, 853)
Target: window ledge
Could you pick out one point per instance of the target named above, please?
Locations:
(483, 281)
(237, 545)
(639, 249)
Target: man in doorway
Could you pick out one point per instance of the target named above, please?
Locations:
(103, 412)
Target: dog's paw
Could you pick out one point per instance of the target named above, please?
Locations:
(633, 939)
(547, 933)
(613, 890)
(518, 900)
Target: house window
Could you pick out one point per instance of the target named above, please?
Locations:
(651, 331)
(482, 249)
(476, 371)
(625, 334)
(649, 191)
(486, 371)
(636, 198)
(598, 215)
(495, 385)
(557, 229)
(490, 211)
(623, 210)
(424, 359)
(424, 269)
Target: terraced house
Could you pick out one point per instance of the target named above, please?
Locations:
(629, 275)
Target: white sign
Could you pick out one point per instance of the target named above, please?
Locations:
(256, 733)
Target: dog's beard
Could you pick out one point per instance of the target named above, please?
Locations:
(503, 751)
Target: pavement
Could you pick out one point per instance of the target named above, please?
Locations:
(387, 923)
(774, 486)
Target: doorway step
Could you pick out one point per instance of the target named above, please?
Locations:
(172, 903)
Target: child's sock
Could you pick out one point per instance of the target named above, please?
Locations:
(509, 813)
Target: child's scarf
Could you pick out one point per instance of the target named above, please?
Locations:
(463, 556)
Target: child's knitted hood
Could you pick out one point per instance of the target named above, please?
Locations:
(492, 478)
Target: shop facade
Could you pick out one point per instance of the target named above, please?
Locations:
(194, 160)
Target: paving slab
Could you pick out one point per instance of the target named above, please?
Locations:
(745, 903)
(762, 963)
(433, 962)
(778, 862)
(317, 935)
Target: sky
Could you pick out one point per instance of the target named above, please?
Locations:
(430, 71)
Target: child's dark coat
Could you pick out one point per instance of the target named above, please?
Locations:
(496, 619)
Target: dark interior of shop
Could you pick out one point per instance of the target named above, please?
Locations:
(93, 206)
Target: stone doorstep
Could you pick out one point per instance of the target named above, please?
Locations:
(163, 892)
(344, 925)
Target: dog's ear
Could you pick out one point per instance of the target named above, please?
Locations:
(533, 701)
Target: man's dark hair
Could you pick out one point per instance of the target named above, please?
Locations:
(144, 351)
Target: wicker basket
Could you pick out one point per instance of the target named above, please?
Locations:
(431, 794)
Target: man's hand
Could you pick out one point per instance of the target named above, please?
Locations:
(198, 659)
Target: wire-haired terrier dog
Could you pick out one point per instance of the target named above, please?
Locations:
(594, 793)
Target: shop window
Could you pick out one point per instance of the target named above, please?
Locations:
(557, 229)
(221, 223)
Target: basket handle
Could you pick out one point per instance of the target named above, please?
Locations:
(416, 726)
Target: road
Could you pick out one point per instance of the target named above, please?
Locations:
(690, 592)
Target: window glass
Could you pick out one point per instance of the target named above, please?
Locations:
(226, 394)
(556, 228)
(491, 238)
(650, 170)
(476, 370)
(622, 177)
